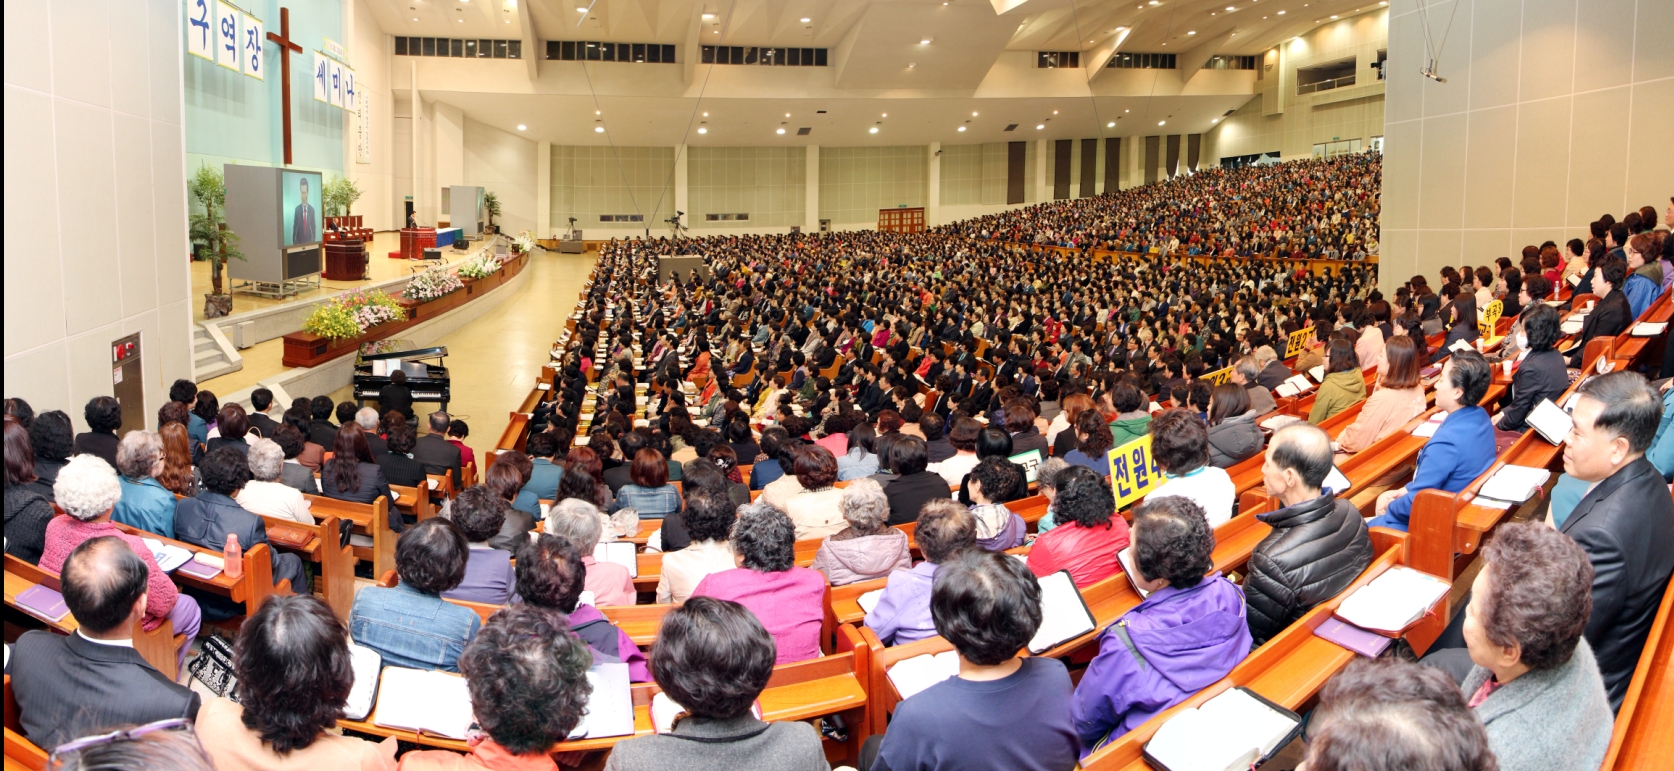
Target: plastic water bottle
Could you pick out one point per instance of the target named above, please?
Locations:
(234, 556)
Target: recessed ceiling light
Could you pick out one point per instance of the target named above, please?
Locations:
(581, 9)
(1215, 120)
(596, 112)
(1054, 112)
(706, 115)
(415, 18)
(1333, 16)
(1161, 122)
(961, 128)
(973, 113)
(886, 115)
(779, 131)
(708, 16)
(1229, 8)
(1111, 124)
(805, 20)
(715, 32)
(461, 21)
(599, 129)
(1154, 2)
(521, 127)
(702, 130)
(1193, 32)
(1281, 13)
(1041, 126)
(787, 115)
(872, 130)
(924, 42)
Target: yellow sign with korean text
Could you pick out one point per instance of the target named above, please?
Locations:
(1133, 472)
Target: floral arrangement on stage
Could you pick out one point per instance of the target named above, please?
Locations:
(352, 313)
(525, 242)
(479, 266)
(432, 284)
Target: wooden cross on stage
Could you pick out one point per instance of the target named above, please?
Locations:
(286, 47)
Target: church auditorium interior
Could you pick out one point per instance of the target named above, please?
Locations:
(871, 385)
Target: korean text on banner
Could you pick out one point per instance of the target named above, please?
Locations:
(1133, 472)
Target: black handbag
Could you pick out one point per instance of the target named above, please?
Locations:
(214, 666)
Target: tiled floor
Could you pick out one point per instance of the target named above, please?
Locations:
(492, 361)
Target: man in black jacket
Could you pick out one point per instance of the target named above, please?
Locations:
(208, 518)
(261, 401)
(1611, 315)
(69, 686)
(1625, 522)
(1319, 542)
(438, 455)
(321, 430)
(1273, 372)
(914, 485)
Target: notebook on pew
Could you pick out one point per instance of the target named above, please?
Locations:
(425, 701)
(869, 600)
(610, 708)
(913, 675)
(203, 566)
(1064, 614)
(1317, 373)
(1125, 556)
(43, 603)
(1572, 325)
(1515, 484)
(168, 556)
(365, 663)
(1234, 731)
(1393, 602)
(1368, 644)
(619, 552)
(1428, 428)
(1648, 328)
(1550, 421)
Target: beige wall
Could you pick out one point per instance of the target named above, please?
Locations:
(95, 200)
(370, 52)
(1554, 112)
(1278, 119)
(587, 181)
(855, 182)
(503, 164)
(768, 183)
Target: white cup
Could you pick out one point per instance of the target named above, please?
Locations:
(1507, 365)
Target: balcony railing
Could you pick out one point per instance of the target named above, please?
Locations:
(1325, 85)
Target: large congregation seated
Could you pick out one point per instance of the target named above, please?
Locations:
(811, 412)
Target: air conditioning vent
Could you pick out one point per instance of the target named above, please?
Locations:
(804, 131)
(1229, 112)
(1012, 127)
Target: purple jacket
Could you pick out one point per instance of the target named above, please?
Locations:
(1189, 637)
(902, 614)
(790, 603)
(626, 651)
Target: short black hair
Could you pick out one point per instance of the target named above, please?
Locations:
(224, 470)
(1083, 498)
(528, 678)
(293, 667)
(401, 439)
(1393, 715)
(346, 413)
(320, 408)
(999, 477)
(765, 537)
(1631, 407)
(932, 425)
(541, 445)
(52, 436)
(1541, 325)
(431, 555)
(103, 413)
(993, 440)
(1179, 441)
(550, 573)
(713, 657)
(908, 455)
(1615, 272)
(290, 440)
(709, 514)
(1471, 374)
(479, 513)
(261, 399)
(1172, 540)
(101, 580)
(183, 391)
(987, 604)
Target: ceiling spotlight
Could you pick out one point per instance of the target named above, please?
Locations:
(872, 130)
(787, 115)
(1193, 32)
(1281, 13)
(1154, 2)
(415, 18)
(706, 115)
(461, 21)
(780, 131)
(1229, 8)
(973, 113)
(598, 129)
(1127, 111)
(1111, 124)
(1041, 126)
(1215, 120)
(706, 16)
(521, 127)
(1333, 16)
(805, 20)
(581, 9)
(596, 112)
(911, 65)
(1161, 122)
(961, 128)
(886, 115)
(1054, 112)
(924, 42)
(702, 130)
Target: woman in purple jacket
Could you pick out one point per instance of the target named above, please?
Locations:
(1189, 632)
(789, 600)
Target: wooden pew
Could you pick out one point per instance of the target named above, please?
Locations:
(336, 581)
(20, 752)
(414, 501)
(255, 586)
(159, 647)
(1644, 733)
(370, 519)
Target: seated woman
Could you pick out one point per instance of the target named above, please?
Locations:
(861, 460)
(1542, 373)
(145, 503)
(1089, 531)
(788, 599)
(815, 510)
(27, 511)
(725, 464)
(353, 475)
(1234, 436)
(234, 426)
(1344, 384)
(292, 472)
(550, 575)
(1180, 447)
(1061, 431)
(292, 664)
(1461, 315)
(994, 442)
(1188, 633)
(1132, 420)
(398, 464)
(480, 514)
(507, 478)
(213, 516)
(713, 659)
(1398, 399)
(868, 548)
(902, 615)
(87, 490)
(580, 523)
(528, 684)
(409, 624)
(1533, 669)
(1461, 449)
(1093, 441)
(265, 494)
(963, 435)
(997, 527)
(768, 470)
(1002, 711)
(650, 494)
(583, 479)
(708, 519)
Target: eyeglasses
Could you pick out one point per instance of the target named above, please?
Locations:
(86, 742)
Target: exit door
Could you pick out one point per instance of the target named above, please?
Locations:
(127, 379)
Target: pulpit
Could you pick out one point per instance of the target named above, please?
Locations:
(415, 240)
(345, 260)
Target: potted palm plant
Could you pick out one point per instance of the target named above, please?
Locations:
(211, 240)
(338, 196)
(491, 203)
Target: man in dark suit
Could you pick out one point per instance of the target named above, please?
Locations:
(1625, 521)
(367, 419)
(261, 400)
(1273, 371)
(70, 686)
(914, 485)
(321, 430)
(438, 455)
(1611, 315)
(303, 225)
(396, 396)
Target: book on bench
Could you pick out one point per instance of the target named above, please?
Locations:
(1393, 602)
(910, 676)
(620, 552)
(200, 566)
(1125, 556)
(424, 701)
(1064, 615)
(610, 707)
(168, 556)
(43, 603)
(1233, 731)
(1550, 421)
(869, 600)
(1515, 484)
(1648, 328)
(365, 663)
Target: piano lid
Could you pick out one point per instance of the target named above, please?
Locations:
(420, 353)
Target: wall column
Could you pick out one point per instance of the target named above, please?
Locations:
(811, 196)
(543, 189)
(417, 110)
(933, 182)
(680, 181)
(1043, 156)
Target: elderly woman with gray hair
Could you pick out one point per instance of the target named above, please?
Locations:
(789, 600)
(145, 503)
(265, 494)
(87, 489)
(1047, 476)
(582, 524)
(868, 548)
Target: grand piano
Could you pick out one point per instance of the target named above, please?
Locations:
(428, 382)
